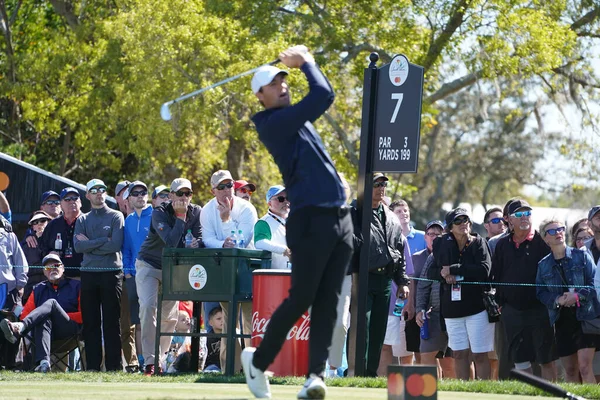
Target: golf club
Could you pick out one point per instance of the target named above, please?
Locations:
(543, 384)
(165, 113)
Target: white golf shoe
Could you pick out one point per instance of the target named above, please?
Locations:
(314, 388)
(257, 381)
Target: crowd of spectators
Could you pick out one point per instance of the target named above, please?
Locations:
(96, 276)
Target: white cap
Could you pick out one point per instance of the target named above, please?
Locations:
(94, 183)
(264, 76)
(180, 183)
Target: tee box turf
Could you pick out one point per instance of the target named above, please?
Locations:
(412, 382)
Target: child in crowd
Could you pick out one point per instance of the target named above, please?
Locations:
(213, 362)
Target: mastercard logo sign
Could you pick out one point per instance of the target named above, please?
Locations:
(414, 386)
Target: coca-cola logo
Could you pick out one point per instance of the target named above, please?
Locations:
(300, 331)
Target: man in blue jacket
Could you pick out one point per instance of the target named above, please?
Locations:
(137, 226)
(319, 228)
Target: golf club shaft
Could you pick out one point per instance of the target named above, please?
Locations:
(544, 385)
(214, 85)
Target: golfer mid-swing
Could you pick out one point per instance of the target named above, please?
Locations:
(319, 228)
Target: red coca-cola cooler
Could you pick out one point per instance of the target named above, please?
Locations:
(270, 287)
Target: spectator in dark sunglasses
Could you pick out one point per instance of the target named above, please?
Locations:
(244, 189)
(37, 223)
(160, 195)
(50, 204)
(269, 231)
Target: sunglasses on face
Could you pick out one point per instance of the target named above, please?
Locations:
(433, 234)
(39, 221)
(71, 198)
(163, 195)
(583, 239)
(179, 193)
(460, 220)
(222, 186)
(380, 184)
(553, 232)
(52, 202)
(51, 267)
(495, 220)
(97, 190)
(244, 190)
(281, 199)
(138, 193)
(520, 214)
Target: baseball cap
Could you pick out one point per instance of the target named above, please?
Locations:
(47, 194)
(67, 190)
(94, 183)
(180, 183)
(434, 223)
(241, 183)
(219, 177)
(37, 215)
(131, 186)
(159, 189)
(120, 186)
(453, 214)
(51, 257)
(378, 175)
(264, 76)
(274, 191)
(517, 205)
(593, 211)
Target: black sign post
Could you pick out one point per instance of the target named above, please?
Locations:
(390, 135)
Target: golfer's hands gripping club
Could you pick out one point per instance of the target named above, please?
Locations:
(296, 56)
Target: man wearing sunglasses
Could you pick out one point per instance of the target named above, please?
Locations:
(99, 236)
(222, 215)
(123, 204)
(137, 226)
(70, 204)
(169, 225)
(50, 203)
(244, 189)
(493, 222)
(529, 334)
(52, 312)
(160, 195)
(321, 256)
(269, 231)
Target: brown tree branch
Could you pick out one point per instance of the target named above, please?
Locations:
(586, 19)
(355, 50)
(343, 138)
(454, 22)
(65, 10)
(450, 88)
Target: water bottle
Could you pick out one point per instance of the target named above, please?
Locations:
(188, 239)
(399, 307)
(241, 242)
(425, 327)
(58, 242)
(234, 238)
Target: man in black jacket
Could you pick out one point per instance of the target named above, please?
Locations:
(170, 223)
(386, 262)
(529, 335)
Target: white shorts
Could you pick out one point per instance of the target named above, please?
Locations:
(395, 336)
(474, 331)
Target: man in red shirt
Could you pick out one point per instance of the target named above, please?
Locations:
(52, 312)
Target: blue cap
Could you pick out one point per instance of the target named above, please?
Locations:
(436, 222)
(67, 190)
(47, 194)
(274, 191)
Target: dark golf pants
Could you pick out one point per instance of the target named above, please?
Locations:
(321, 243)
(101, 311)
(49, 322)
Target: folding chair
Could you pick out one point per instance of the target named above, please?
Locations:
(60, 350)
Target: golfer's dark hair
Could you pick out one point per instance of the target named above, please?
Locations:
(214, 311)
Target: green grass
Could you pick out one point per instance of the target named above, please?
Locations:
(345, 388)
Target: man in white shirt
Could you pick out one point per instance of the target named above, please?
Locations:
(269, 231)
(222, 216)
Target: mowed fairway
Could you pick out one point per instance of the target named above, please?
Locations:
(143, 390)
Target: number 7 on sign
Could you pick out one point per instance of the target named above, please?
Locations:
(398, 97)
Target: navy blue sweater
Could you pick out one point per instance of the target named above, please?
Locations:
(309, 176)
